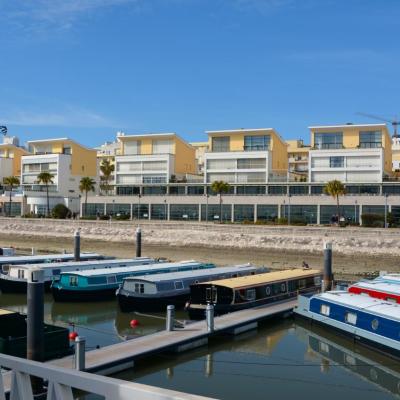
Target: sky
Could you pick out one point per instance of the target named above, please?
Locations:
(86, 69)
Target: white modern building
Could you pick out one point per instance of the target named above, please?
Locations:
(350, 153)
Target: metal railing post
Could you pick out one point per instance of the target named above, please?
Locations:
(210, 317)
(80, 353)
(170, 318)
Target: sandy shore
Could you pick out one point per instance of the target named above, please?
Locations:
(356, 250)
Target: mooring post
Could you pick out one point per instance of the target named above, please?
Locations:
(170, 318)
(77, 245)
(32, 251)
(210, 317)
(80, 353)
(35, 321)
(138, 242)
(328, 276)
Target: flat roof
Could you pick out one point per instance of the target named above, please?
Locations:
(345, 126)
(380, 286)
(241, 130)
(146, 135)
(64, 139)
(191, 274)
(133, 268)
(22, 259)
(266, 278)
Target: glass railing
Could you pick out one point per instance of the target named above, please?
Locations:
(370, 145)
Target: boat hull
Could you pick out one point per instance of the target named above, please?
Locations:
(62, 295)
(151, 304)
(17, 286)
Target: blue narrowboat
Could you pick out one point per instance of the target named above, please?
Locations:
(101, 284)
(156, 292)
(373, 322)
(14, 278)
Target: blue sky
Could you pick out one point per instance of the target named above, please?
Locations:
(87, 68)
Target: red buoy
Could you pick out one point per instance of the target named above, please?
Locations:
(134, 323)
(73, 335)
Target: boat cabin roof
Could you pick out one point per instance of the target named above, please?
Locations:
(363, 303)
(91, 263)
(383, 286)
(19, 260)
(390, 277)
(144, 267)
(6, 312)
(181, 275)
(268, 277)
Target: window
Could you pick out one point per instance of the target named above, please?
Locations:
(283, 287)
(111, 279)
(56, 272)
(132, 148)
(139, 288)
(302, 283)
(21, 274)
(375, 324)
(336, 162)
(251, 163)
(73, 281)
(178, 285)
(391, 300)
(370, 139)
(350, 318)
(67, 150)
(331, 140)
(250, 294)
(268, 291)
(208, 294)
(164, 146)
(220, 143)
(256, 143)
(325, 309)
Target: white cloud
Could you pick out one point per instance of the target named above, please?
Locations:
(67, 117)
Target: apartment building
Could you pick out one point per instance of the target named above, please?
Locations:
(200, 148)
(396, 154)
(297, 160)
(350, 153)
(152, 159)
(10, 158)
(245, 156)
(67, 161)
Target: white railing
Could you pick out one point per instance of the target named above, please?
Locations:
(61, 381)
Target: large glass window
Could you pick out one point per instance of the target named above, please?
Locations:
(331, 140)
(118, 210)
(93, 209)
(244, 212)
(214, 212)
(256, 143)
(251, 163)
(277, 190)
(336, 162)
(159, 211)
(154, 190)
(162, 146)
(250, 190)
(300, 214)
(298, 190)
(267, 212)
(370, 139)
(195, 190)
(349, 212)
(132, 148)
(220, 143)
(184, 212)
(221, 164)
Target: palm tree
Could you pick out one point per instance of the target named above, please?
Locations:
(335, 189)
(220, 187)
(47, 179)
(107, 170)
(11, 182)
(86, 185)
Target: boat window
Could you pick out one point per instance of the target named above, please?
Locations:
(234, 275)
(391, 300)
(302, 283)
(323, 347)
(73, 281)
(139, 287)
(214, 295)
(325, 309)
(375, 324)
(252, 273)
(196, 281)
(111, 279)
(208, 294)
(317, 280)
(178, 285)
(283, 287)
(351, 318)
(56, 272)
(268, 291)
(21, 274)
(250, 294)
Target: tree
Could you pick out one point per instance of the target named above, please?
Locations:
(11, 182)
(87, 185)
(220, 187)
(107, 170)
(335, 189)
(60, 211)
(46, 178)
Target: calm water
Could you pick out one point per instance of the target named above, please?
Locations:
(282, 358)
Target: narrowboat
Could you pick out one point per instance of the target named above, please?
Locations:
(101, 284)
(5, 261)
(13, 331)
(372, 322)
(13, 279)
(251, 291)
(384, 290)
(156, 292)
(7, 251)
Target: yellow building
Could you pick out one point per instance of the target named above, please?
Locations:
(154, 158)
(10, 160)
(297, 160)
(246, 156)
(350, 153)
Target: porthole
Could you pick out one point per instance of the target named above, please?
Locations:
(375, 324)
(283, 287)
(268, 291)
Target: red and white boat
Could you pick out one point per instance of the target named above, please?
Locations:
(384, 289)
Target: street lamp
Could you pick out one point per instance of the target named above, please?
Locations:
(386, 197)
(289, 196)
(165, 209)
(284, 208)
(138, 211)
(355, 211)
(207, 196)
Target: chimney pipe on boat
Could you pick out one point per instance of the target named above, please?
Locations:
(77, 245)
(328, 276)
(138, 242)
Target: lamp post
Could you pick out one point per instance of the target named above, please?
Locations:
(386, 197)
(165, 209)
(355, 211)
(138, 211)
(289, 196)
(284, 208)
(207, 196)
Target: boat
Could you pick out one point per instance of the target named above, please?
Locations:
(13, 279)
(13, 337)
(101, 284)
(5, 261)
(156, 292)
(372, 322)
(381, 289)
(240, 293)
(7, 251)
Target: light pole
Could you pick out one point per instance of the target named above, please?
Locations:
(386, 197)
(207, 196)
(355, 211)
(289, 196)
(165, 209)
(284, 208)
(138, 211)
